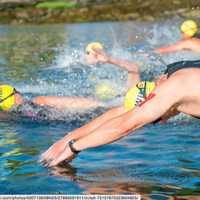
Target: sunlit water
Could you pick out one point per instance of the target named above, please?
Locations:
(158, 160)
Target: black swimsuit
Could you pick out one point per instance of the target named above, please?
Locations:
(172, 68)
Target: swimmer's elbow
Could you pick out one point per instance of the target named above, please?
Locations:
(139, 122)
(132, 122)
(129, 126)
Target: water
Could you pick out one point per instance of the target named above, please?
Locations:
(157, 161)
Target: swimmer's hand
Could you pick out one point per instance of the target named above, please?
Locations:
(67, 155)
(54, 152)
(101, 56)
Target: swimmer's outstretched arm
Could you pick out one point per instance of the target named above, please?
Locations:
(120, 126)
(101, 56)
(132, 68)
(192, 44)
(54, 151)
(60, 102)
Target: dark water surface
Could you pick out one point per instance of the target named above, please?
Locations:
(158, 160)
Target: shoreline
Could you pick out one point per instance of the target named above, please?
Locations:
(145, 11)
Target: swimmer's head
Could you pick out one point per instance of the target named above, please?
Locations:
(8, 97)
(90, 54)
(105, 91)
(93, 45)
(137, 94)
(189, 28)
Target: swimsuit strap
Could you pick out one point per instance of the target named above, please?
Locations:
(174, 67)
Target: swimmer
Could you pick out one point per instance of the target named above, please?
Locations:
(189, 40)
(12, 101)
(168, 98)
(95, 54)
(90, 54)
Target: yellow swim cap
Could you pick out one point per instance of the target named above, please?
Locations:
(7, 98)
(105, 91)
(95, 45)
(189, 28)
(137, 94)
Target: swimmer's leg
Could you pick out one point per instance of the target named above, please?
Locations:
(55, 150)
(60, 102)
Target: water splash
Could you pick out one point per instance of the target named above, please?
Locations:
(69, 75)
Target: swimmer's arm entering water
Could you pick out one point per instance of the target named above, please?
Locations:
(120, 126)
(192, 44)
(60, 102)
(54, 151)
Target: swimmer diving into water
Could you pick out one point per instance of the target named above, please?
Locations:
(178, 90)
(189, 40)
